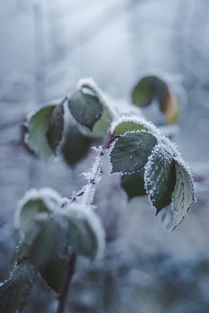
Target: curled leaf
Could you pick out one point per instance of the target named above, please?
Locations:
(153, 87)
(34, 203)
(45, 129)
(182, 197)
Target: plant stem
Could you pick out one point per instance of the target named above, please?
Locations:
(66, 285)
(95, 174)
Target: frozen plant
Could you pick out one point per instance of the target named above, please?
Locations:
(56, 231)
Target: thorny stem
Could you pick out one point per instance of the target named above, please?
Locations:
(66, 285)
(87, 197)
(95, 174)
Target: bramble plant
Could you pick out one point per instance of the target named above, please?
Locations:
(55, 230)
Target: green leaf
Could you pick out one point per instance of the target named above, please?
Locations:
(133, 184)
(86, 108)
(33, 204)
(128, 126)
(14, 292)
(54, 273)
(131, 151)
(56, 127)
(160, 177)
(38, 127)
(75, 146)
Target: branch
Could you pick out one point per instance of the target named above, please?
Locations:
(66, 285)
(95, 175)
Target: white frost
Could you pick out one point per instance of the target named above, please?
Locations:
(137, 120)
(49, 196)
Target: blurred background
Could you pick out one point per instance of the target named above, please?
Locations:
(46, 46)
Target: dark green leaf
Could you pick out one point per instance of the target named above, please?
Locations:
(131, 151)
(56, 127)
(133, 184)
(14, 292)
(86, 235)
(54, 273)
(82, 238)
(86, 108)
(75, 146)
(48, 237)
(102, 126)
(160, 177)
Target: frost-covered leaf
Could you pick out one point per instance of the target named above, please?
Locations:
(54, 273)
(160, 177)
(38, 127)
(56, 127)
(85, 107)
(153, 87)
(34, 203)
(131, 123)
(133, 184)
(182, 197)
(75, 146)
(86, 234)
(14, 292)
(131, 151)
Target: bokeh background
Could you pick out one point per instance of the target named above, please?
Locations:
(46, 46)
